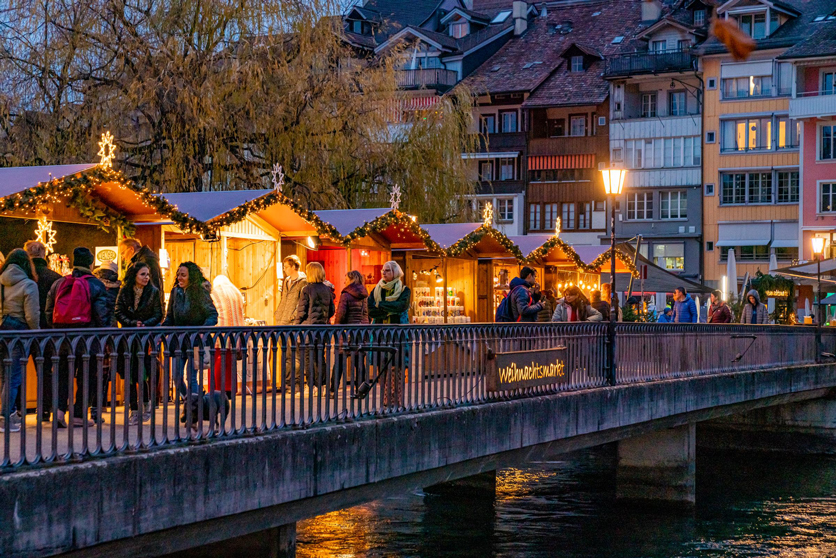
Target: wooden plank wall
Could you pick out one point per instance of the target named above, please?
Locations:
(251, 268)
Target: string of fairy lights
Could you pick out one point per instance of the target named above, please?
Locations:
(78, 191)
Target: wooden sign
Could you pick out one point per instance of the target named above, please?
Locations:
(525, 369)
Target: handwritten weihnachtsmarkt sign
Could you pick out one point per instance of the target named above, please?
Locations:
(525, 369)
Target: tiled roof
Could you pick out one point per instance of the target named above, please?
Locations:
(527, 62)
(792, 32)
(491, 7)
(822, 42)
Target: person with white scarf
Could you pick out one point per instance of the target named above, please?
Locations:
(389, 303)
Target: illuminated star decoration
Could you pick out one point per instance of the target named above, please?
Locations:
(278, 178)
(45, 234)
(395, 197)
(557, 227)
(107, 151)
(487, 214)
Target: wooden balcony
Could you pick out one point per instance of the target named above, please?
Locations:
(504, 142)
(571, 145)
(650, 63)
(427, 78)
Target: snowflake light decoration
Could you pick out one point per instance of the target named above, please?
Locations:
(487, 214)
(278, 178)
(45, 234)
(395, 197)
(107, 151)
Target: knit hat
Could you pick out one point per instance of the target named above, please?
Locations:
(82, 257)
(111, 266)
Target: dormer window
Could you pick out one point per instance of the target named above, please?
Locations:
(577, 64)
(360, 27)
(699, 18)
(459, 29)
(753, 25)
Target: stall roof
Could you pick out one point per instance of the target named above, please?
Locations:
(347, 221)
(14, 180)
(483, 240)
(399, 230)
(205, 206)
(657, 280)
(528, 243)
(447, 234)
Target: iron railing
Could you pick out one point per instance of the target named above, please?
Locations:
(426, 77)
(293, 377)
(650, 63)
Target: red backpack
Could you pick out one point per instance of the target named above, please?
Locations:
(73, 307)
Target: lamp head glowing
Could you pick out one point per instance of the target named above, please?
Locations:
(818, 245)
(613, 180)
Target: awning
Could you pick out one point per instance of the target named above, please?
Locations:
(744, 234)
(491, 155)
(557, 162)
(785, 235)
(746, 69)
(652, 278)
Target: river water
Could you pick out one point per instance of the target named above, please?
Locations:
(747, 505)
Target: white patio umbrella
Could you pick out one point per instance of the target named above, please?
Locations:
(806, 306)
(731, 273)
(773, 263)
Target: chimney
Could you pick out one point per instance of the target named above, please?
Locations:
(520, 16)
(651, 10)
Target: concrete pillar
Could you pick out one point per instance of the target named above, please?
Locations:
(283, 541)
(278, 542)
(657, 469)
(808, 427)
(481, 486)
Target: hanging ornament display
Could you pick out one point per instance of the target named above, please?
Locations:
(45, 234)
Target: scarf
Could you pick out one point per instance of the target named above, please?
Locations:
(137, 295)
(396, 286)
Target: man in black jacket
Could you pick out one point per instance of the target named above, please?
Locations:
(99, 315)
(132, 251)
(46, 277)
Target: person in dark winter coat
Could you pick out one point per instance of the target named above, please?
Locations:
(718, 311)
(602, 306)
(524, 302)
(132, 251)
(316, 303)
(189, 304)
(354, 301)
(46, 277)
(138, 305)
(100, 314)
(353, 308)
(109, 276)
(684, 308)
(545, 315)
(754, 312)
(20, 311)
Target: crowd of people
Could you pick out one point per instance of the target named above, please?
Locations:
(526, 302)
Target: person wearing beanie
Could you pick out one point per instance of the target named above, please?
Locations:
(99, 316)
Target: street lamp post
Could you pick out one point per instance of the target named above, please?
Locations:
(613, 183)
(818, 252)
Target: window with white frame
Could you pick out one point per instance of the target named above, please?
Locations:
(683, 44)
(550, 213)
(504, 210)
(676, 103)
(509, 121)
(567, 220)
(673, 205)
(828, 82)
(577, 64)
(577, 126)
(699, 18)
(659, 46)
(748, 86)
(663, 153)
(486, 171)
(640, 206)
(648, 105)
(459, 29)
(534, 216)
(753, 25)
(669, 256)
(488, 123)
(827, 197)
(750, 188)
(827, 142)
(765, 133)
(507, 167)
(787, 187)
(584, 215)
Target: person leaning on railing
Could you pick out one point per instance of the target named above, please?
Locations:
(189, 305)
(389, 304)
(138, 305)
(754, 312)
(21, 310)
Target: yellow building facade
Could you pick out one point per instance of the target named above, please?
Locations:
(750, 167)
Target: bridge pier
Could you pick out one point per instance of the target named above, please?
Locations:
(657, 469)
(480, 486)
(807, 427)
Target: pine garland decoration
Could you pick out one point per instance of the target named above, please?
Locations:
(394, 217)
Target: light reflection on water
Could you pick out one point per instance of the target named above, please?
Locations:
(747, 506)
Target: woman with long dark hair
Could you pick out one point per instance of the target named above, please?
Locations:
(575, 307)
(139, 305)
(21, 310)
(190, 304)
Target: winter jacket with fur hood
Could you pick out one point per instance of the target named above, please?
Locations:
(20, 297)
(354, 305)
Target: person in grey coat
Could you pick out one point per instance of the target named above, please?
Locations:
(754, 312)
(285, 314)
